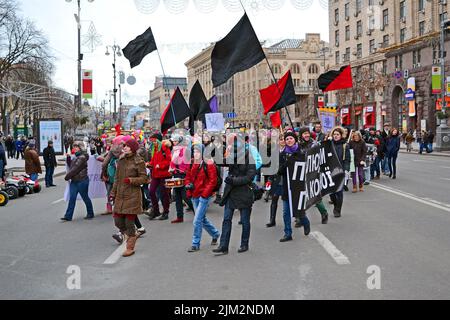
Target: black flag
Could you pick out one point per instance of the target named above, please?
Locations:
(137, 49)
(238, 51)
(198, 103)
(176, 111)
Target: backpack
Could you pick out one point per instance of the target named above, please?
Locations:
(219, 178)
(111, 170)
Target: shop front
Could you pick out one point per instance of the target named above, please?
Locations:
(369, 117)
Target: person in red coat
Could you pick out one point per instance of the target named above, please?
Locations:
(201, 180)
(159, 165)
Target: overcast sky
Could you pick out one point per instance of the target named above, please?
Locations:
(179, 36)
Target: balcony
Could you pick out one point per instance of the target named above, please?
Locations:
(305, 90)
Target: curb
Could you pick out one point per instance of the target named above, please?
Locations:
(56, 175)
(433, 154)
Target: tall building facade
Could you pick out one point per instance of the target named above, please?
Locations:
(386, 43)
(159, 97)
(306, 59)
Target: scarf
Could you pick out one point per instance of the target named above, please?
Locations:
(291, 150)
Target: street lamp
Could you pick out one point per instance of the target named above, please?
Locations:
(116, 51)
(80, 56)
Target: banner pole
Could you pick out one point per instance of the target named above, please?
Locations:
(167, 87)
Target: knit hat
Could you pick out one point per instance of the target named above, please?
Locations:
(49, 142)
(176, 138)
(133, 144)
(303, 130)
(290, 134)
(31, 145)
(156, 136)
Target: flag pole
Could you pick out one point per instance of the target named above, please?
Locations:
(167, 87)
(273, 76)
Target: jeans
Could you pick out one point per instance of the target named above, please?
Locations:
(226, 226)
(49, 176)
(392, 160)
(287, 218)
(155, 184)
(200, 221)
(34, 176)
(366, 174)
(81, 187)
(430, 147)
(385, 165)
(360, 174)
(375, 168)
(424, 146)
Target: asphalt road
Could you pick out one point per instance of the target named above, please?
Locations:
(400, 228)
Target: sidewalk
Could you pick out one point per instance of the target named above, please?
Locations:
(17, 166)
(416, 149)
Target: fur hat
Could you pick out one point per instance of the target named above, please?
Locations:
(290, 134)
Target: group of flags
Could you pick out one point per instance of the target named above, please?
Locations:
(239, 50)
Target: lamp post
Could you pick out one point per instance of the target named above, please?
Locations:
(80, 56)
(116, 52)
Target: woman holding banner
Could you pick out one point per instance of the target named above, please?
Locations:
(343, 154)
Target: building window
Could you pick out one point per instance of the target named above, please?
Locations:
(359, 50)
(347, 33)
(417, 56)
(385, 17)
(295, 68)
(276, 68)
(402, 35)
(359, 28)
(338, 60)
(386, 40)
(372, 46)
(336, 16)
(421, 28)
(421, 5)
(442, 17)
(358, 6)
(347, 11)
(403, 10)
(347, 55)
(336, 36)
(384, 68)
(313, 69)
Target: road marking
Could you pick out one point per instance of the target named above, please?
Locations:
(58, 201)
(112, 259)
(330, 248)
(445, 167)
(412, 197)
(447, 179)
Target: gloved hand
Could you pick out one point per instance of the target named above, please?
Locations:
(127, 181)
(190, 186)
(111, 199)
(229, 180)
(362, 163)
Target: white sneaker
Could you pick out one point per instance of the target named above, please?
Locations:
(118, 237)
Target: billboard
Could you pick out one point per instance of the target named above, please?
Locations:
(50, 129)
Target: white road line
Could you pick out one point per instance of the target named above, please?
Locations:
(411, 196)
(446, 179)
(112, 259)
(330, 248)
(58, 201)
(445, 167)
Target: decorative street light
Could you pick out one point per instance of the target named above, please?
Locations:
(80, 56)
(116, 51)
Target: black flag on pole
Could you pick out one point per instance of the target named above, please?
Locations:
(137, 49)
(176, 111)
(198, 103)
(238, 51)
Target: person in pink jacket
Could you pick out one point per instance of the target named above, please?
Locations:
(179, 166)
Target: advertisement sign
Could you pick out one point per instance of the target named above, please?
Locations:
(87, 84)
(436, 80)
(50, 130)
(448, 86)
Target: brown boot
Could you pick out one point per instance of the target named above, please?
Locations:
(131, 242)
(361, 188)
(355, 190)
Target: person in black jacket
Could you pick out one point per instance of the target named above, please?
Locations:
(50, 164)
(343, 154)
(238, 194)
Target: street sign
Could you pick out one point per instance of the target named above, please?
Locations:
(409, 95)
(231, 115)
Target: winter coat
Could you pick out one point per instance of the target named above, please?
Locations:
(204, 178)
(128, 197)
(78, 168)
(409, 138)
(19, 145)
(162, 158)
(343, 153)
(49, 157)
(32, 163)
(239, 194)
(3, 161)
(392, 146)
(359, 151)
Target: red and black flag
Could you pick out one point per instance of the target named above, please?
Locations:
(238, 51)
(176, 111)
(276, 119)
(198, 103)
(336, 80)
(278, 95)
(137, 49)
